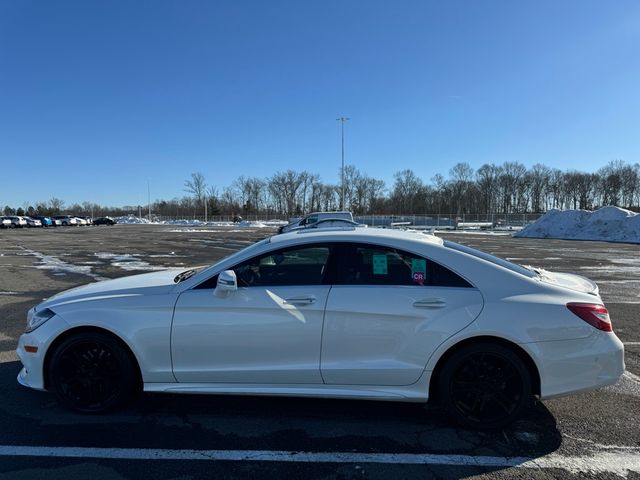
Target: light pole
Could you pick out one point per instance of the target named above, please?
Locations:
(342, 120)
(149, 198)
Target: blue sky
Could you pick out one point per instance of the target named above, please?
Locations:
(97, 97)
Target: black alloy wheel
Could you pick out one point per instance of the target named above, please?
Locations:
(484, 386)
(91, 373)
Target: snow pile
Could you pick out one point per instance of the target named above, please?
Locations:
(131, 219)
(610, 224)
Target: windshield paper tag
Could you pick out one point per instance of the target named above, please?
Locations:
(418, 270)
(380, 264)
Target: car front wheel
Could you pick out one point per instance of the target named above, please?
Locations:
(91, 372)
(484, 386)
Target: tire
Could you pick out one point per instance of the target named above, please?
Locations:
(484, 386)
(91, 373)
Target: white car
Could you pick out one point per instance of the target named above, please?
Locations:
(32, 222)
(353, 313)
(17, 221)
(66, 220)
(5, 222)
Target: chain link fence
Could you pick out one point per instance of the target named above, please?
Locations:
(428, 221)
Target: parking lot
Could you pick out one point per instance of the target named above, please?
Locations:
(593, 435)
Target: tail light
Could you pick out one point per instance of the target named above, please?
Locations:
(594, 314)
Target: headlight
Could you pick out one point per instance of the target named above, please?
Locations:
(35, 319)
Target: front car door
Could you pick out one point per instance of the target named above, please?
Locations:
(267, 332)
(387, 312)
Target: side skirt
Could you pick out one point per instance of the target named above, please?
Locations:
(417, 392)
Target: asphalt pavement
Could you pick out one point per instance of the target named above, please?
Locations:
(591, 435)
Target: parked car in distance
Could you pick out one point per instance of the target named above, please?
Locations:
(46, 221)
(32, 222)
(5, 222)
(66, 220)
(362, 313)
(315, 217)
(16, 221)
(81, 221)
(104, 221)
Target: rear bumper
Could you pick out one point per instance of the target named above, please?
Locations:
(572, 366)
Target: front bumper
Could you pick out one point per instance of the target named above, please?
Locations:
(32, 373)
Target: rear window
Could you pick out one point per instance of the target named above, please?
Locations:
(514, 267)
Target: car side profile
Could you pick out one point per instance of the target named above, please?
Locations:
(66, 220)
(44, 220)
(17, 221)
(32, 222)
(104, 221)
(336, 313)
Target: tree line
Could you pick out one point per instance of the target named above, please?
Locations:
(507, 188)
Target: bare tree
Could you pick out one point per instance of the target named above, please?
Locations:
(461, 177)
(56, 205)
(406, 187)
(539, 176)
(196, 187)
(487, 183)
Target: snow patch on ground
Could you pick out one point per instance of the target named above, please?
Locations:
(496, 233)
(133, 220)
(127, 261)
(610, 224)
(60, 267)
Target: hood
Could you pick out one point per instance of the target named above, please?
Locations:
(568, 280)
(155, 283)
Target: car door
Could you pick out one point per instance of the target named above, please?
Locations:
(387, 312)
(267, 332)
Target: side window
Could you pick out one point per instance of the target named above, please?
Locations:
(378, 265)
(299, 266)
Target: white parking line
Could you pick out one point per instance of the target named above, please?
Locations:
(620, 462)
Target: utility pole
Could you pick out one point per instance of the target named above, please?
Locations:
(149, 198)
(342, 120)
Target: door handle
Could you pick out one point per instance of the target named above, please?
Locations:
(303, 300)
(430, 303)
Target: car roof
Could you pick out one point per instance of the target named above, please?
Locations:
(354, 234)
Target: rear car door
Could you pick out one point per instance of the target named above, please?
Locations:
(387, 312)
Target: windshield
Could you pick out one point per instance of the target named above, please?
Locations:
(514, 267)
(237, 254)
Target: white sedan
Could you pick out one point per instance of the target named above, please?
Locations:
(340, 313)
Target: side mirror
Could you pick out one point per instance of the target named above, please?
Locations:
(227, 283)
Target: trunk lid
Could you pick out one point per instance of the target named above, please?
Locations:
(568, 280)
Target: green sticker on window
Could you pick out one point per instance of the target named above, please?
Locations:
(380, 264)
(418, 270)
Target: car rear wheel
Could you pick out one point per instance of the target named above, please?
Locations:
(484, 386)
(91, 372)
